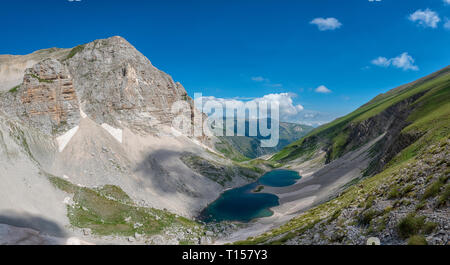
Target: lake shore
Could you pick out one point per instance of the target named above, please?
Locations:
(319, 183)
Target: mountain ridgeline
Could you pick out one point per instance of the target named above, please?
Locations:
(410, 116)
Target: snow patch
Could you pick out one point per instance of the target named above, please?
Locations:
(176, 133)
(73, 241)
(116, 133)
(64, 139)
(77, 242)
(83, 115)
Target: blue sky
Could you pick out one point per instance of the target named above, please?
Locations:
(353, 49)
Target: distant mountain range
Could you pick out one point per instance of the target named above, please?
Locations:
(241, 148)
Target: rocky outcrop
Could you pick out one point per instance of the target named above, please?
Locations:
(226, 175)
(12, 67)
(47, 97)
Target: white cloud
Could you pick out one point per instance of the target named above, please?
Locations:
(289, 111)
(284, 100)
(381, 61)
(324, 24)
(447, 2)
(447, 23)
(403, 61)
(323, 90)
(426, 18)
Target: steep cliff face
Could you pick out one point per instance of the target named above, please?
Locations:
(47, 97)
(116, 83)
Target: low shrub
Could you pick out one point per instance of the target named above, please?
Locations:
(417, 240)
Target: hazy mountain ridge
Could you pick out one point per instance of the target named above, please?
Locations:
(249, 147)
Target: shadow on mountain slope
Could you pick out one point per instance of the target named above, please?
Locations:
(26, 220)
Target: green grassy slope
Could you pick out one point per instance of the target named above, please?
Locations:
(334, 136)
(110, 211)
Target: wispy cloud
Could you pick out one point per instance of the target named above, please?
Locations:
(266, 81)
(259, 79)
(324, 24)
(403, 61)
(323, 90)
(447, 2)
(426, 18)
(381, 61)
(314, 118)
(447, 23)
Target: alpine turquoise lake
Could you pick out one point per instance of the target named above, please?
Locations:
(245, 204)
(279, 178)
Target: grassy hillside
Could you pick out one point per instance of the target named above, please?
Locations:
(108, 210)
(429, 94)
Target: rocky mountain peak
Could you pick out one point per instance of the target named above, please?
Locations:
(117, 84)
(108, 80)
